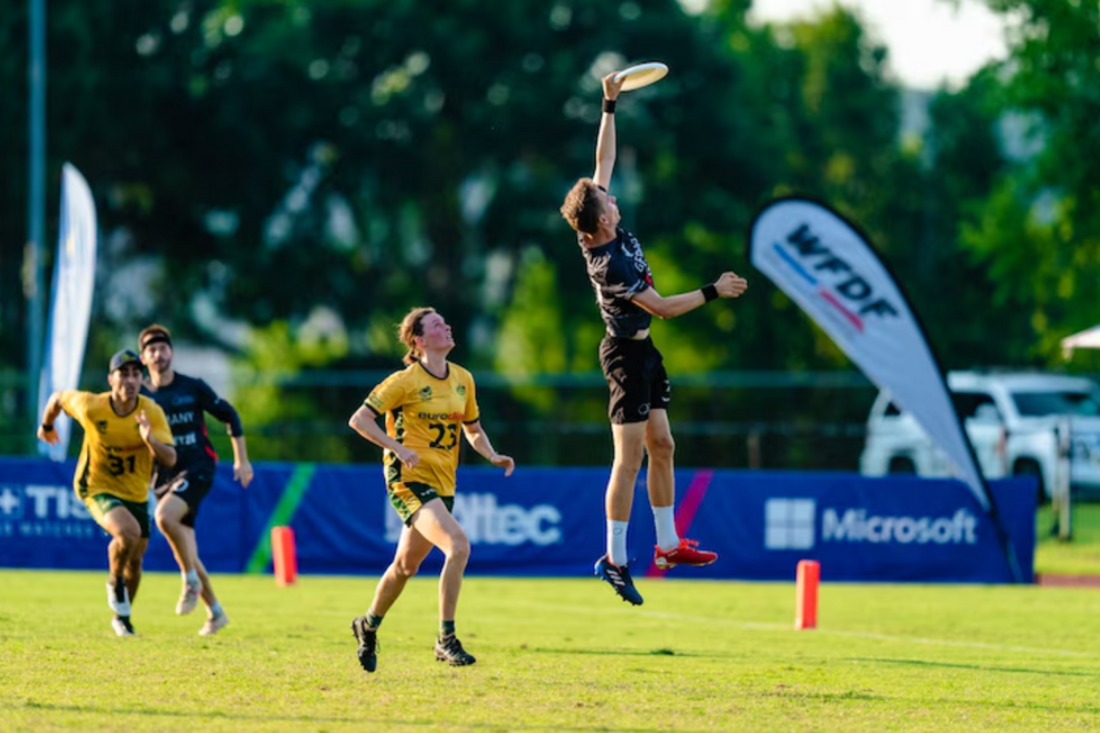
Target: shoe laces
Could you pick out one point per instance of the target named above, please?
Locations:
(619, 576)
(452, 646)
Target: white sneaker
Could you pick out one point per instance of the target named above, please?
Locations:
(189, 598)
(120, 609)
(213, 625)
(122, 628)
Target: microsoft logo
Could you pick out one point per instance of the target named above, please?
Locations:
(789, 524)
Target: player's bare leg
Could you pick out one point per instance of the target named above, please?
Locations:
(216, 618)
(412, 548)
(437, 525)
(629, 442)
(671, 550)
(125, 540)
(132, 571)
(170, 513)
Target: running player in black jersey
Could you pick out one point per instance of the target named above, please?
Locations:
(181, 490)
(635, 372)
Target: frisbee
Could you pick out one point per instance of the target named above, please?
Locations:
(641, 75)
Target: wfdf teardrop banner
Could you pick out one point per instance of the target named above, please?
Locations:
(831, 270)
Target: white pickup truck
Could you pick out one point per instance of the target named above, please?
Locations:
(1012, 419)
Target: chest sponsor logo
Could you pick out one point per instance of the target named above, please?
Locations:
(177, 418)
(440, 415)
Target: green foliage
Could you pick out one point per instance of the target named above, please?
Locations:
(256, 160)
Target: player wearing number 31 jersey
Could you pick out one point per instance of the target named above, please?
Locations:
(124, 432)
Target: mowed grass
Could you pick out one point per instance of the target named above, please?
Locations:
(1081, 554)
(553, 655)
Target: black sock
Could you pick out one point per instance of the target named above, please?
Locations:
(373, 620)
(120, 589)
(447, 628)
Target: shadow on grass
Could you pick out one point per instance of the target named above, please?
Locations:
(631, 653)
(977, 667)
(314, 720)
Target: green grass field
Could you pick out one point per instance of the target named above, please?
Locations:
(553, 655)
(1081, 555)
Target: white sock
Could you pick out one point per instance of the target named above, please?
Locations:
(191, 577)
(665, 519)
(616, 542)
(120, 607)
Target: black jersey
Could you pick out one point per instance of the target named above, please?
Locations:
(618, 271)
(185, 401)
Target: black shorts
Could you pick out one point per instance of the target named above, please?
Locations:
(192, 487)
(635, 373)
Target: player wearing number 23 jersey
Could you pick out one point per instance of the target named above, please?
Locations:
(113, 460)
(426, 413)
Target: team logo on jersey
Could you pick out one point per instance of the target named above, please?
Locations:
(461, 389)
(101, 426)
(425, 394)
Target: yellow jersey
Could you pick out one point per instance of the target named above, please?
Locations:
(426, 413)
(114, 459)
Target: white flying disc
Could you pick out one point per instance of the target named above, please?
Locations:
(641, 75)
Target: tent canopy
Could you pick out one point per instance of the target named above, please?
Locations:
(1087, 339)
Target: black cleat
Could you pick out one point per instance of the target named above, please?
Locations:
(618, 577)
(122, 626)
(368, 643)
(449, 649)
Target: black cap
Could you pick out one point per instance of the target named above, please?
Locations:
(123, 358)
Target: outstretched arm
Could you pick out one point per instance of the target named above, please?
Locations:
(605, 142)
(479, 441)
(223, 411)
(49, 415)
(729, 285)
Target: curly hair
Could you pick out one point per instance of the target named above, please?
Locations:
(411, 327)
(582, 207)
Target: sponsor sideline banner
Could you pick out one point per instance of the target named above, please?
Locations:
(825, 265)
(71, 305)
(549, 522)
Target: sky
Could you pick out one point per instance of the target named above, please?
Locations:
(931, 43)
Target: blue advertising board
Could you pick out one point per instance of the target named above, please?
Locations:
(550, 522)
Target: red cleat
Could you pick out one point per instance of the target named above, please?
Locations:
(685, 554)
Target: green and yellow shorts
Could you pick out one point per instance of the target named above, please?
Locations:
(100, 504)
(407, 498)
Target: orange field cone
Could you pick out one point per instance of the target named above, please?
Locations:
(805, 609)
(283, 556)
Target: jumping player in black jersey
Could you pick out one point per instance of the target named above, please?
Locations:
(635, 372)
(180, 491)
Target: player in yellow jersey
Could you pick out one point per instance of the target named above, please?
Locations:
(124, 432)
(426, 406)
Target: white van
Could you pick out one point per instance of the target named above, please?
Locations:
(1012, 420)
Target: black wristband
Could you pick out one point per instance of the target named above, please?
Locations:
(47, 426)
(609, 106)
(709, 292)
